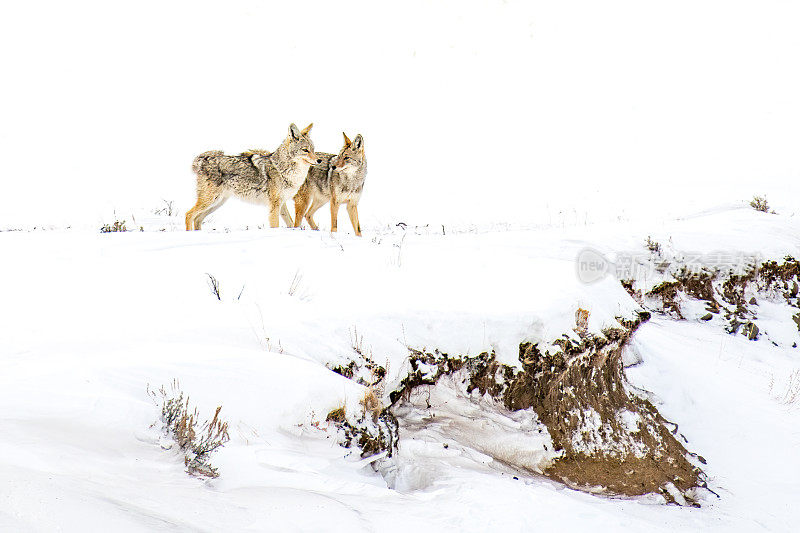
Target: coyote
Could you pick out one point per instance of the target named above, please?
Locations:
(256, 176)
(337, 179)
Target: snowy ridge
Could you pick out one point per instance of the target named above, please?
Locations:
(135, 309)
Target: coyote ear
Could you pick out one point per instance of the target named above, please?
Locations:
(347, 142)
(307, 129)
(358, 142)
(294, 133)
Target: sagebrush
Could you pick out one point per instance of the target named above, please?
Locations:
(180, 423)
(117, 226)
(759, 203)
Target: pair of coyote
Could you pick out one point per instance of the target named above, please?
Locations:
(294, 170)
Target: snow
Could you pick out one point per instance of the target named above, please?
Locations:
(629, 420)
(593, 434)
(717, 388)
(91, 320)
(442, 428)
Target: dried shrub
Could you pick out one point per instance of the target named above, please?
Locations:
(363, 369)
(346, 370)
(180, 423)
(117, 226)
(652, 245)
(168, 209)
(791, 395)
(667, 292)
(759, 203)
(628, 285)
(373, 429)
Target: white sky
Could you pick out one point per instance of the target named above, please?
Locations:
(471, 111)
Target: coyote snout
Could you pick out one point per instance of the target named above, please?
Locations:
(256, 176)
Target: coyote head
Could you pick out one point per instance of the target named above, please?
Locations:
(299, 146)
(351, 157)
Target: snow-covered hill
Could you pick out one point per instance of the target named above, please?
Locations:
(89, 321)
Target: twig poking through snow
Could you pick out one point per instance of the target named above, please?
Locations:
(214, 284)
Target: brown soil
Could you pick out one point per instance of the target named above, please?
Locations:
(421, 374)
(667, 291)
(589, 377)
(565, 384)
(572, 384)
(772, 272)
(631, 476)
(727, 295)
(372, 434)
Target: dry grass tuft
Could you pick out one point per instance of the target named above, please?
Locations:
(791, 395)
(357, 342)
(297, 288)
(581, 322)
(370, 404)
(337, 415)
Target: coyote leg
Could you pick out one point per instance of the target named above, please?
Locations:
(287, 218)
(198, 220)
(198, 208)
(352, 210)
(334, 214)
(190, 217)
(310, 213)
(206, 203)
(274, 212)
(300, 206)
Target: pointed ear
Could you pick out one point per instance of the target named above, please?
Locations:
(347, 142)
(307, 129)
(294, 133)
(358, 142)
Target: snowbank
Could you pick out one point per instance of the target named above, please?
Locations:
(90, 320)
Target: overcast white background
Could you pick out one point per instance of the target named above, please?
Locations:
(471, 111)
